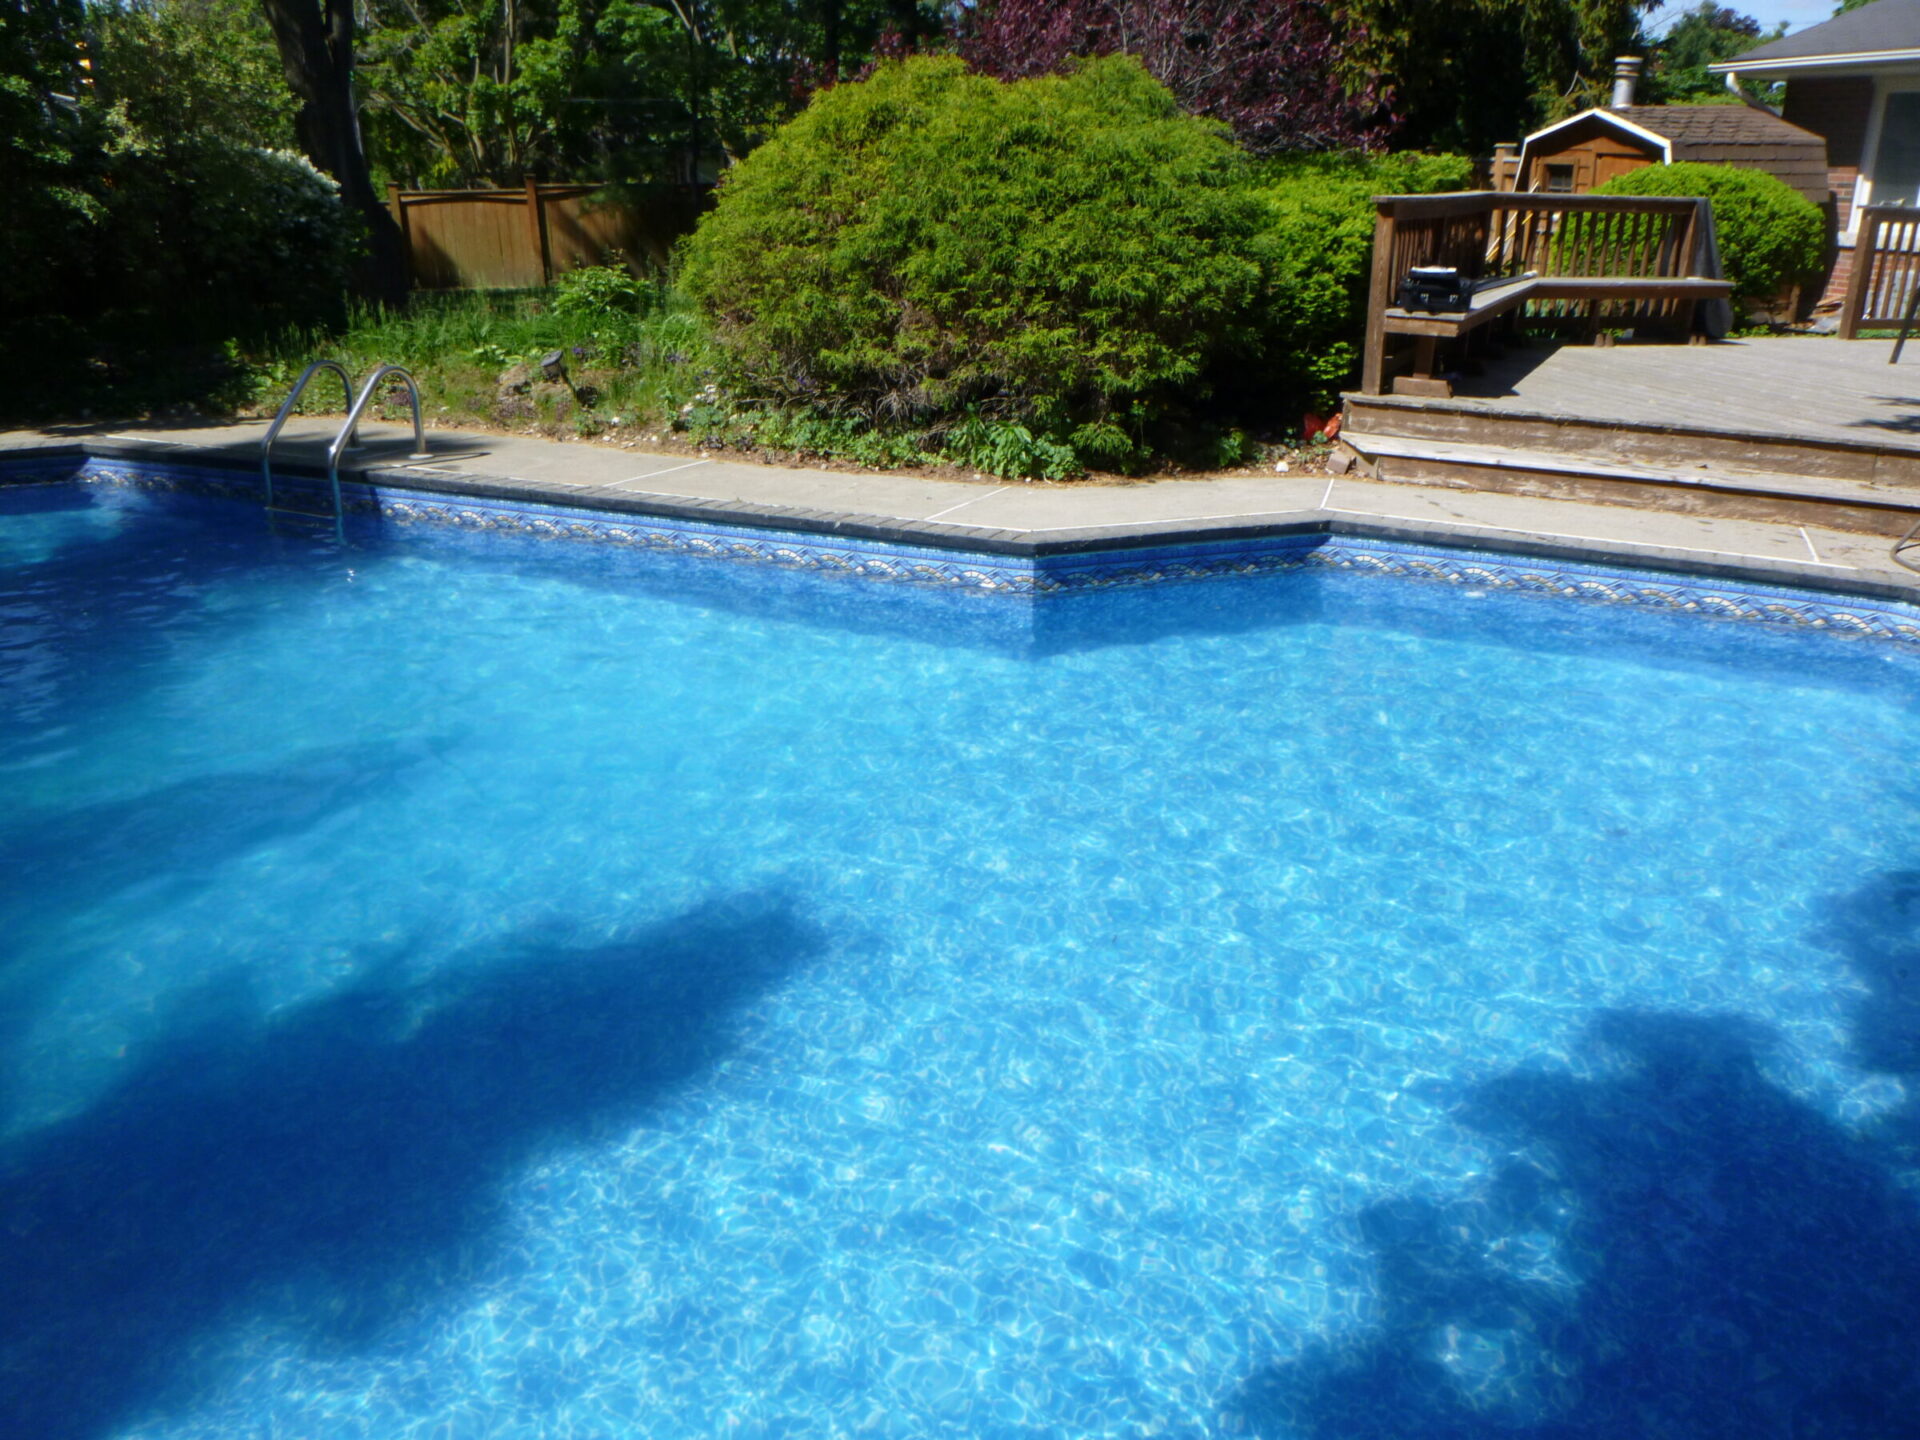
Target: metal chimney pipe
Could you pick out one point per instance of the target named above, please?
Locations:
(1626, 75)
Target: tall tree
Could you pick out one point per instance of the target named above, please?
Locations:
(489, 91)
(1268, 68)
(471, 94)
(49, 154)
(315, 40)
(1699, 37)
(210, 233)
(182, 71)
(1472, 73)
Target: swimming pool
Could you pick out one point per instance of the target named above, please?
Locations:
(465, 985)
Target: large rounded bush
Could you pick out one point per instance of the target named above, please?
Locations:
(1069, 253)
(1770, 235)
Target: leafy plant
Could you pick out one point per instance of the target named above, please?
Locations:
(598, 292)
(1271, 69)
(1008, 450)
(1315, 248)
(1770, 235)
(931, 245)
(458, 346)
(805, 432)
(262, 243)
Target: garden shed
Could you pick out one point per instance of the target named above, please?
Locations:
(1587, 150)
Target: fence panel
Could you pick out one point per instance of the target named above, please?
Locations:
(1886, 267)
(516, 239)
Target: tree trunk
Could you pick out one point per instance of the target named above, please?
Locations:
(315, 39)
(830, 14)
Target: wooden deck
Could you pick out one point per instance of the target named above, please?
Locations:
(1606, 263)
(1812, 429)
(1794, 387)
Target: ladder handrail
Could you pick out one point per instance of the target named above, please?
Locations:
(1903, 545)
(286, 409)
(366, 394)
(353, 420)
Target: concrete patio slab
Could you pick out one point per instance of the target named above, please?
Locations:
(1014, 517)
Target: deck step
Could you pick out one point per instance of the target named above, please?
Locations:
(1700, 487)
(1878, 459)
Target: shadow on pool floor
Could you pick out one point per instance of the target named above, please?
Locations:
(343, 1162)
(1678, 1249)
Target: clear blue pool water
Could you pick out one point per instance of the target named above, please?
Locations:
(502, 989)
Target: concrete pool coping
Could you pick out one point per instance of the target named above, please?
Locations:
(1015, 519)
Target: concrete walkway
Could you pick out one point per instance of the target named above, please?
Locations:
(1022, 518)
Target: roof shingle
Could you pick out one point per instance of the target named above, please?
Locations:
(1717, 124)
(1871, 30)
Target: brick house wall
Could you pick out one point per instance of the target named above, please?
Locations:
(1840, 109)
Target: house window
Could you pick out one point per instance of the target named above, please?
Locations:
(1559, 179)
(1896, 164)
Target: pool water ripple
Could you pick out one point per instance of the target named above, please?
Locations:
(473, 988)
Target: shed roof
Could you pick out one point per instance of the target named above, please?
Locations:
(1716, 134)
(1677, 128)
(1613, 119)
(1690, 125)
(1885, 32)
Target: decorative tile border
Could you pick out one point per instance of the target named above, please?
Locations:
(1647, 589)
(34, 467)
(870, 558)
(1055, 574)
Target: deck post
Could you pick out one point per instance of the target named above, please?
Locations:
(1867, 238)
(1379, 297)
(1425, 379)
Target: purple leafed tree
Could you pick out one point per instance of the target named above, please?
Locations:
(1268, 68)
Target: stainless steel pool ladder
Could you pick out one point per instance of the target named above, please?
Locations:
(286, 409)
(1904, 547)
(347, 431)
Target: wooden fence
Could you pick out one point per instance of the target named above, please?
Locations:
(514, 239)
(1886, 266)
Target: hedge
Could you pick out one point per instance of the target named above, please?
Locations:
(1770, 235)
(930, 247)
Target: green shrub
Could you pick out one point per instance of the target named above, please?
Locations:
(211, 238)
(1066, 256)
(1315, 250)
(605, 307)
(1009, 449)
(1770, 235)
(599, 292)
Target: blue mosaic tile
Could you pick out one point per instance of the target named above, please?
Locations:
(34, 469)
(1018, 575)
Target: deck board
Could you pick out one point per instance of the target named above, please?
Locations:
(1798, 387)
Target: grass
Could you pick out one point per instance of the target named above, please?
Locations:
(636, 356)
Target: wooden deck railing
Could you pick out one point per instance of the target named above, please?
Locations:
(1490, 235)
(1886, 266)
